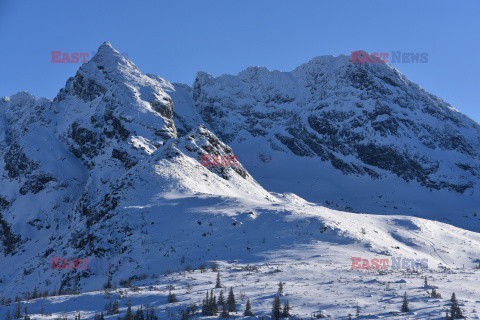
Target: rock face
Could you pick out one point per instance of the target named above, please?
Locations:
(362, 120)
(365, 119)
(73, 168)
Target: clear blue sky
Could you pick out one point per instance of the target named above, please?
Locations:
(175, 39)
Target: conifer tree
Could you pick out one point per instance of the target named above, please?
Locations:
(231, 301)
(455, 312)
(18, 311)
(214, 306)
(435, 294)
(280, 287)
(248, 309)
(219, 283)
(151, 314)
(108, 285)
(171, 298)
(286, 310)
(225, 314)
(8, 316)
(405, 303)
(115, 308)
(205, 305)
(276, 308)
(221, 299)
(129, 315)
(425, 284)
(349, 316)
(357, 314)
(139, 315)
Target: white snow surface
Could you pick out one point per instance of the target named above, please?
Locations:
(111, 171)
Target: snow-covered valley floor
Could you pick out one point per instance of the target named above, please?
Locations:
(313, 285)
(307, 247)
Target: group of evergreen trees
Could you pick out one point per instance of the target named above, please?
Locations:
(277, 311)
(148, 314)
(455, 311)
(210, 305)
(35, 295)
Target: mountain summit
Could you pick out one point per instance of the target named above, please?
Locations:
(364, 131)
(112, 170)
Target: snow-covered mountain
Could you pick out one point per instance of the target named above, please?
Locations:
(352, 136)
(111, 171)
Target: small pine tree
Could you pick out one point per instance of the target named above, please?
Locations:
(191, 309)
(35, 293)
(231, 301)
(225, 314)
(205, 306)
(171, 298)
(214, 306)
(115, 308)
(219, 283)
(425, 283)
(18, 311)
(8, 316)
(280, 287)
(357, 314)
(108, 285)
(151, 314)
(435, 294)
(276, 308)
(248, 309)
(405, 303)
(221, 299)
(129, 315)
(455, 312)
(139, 315)
(286, 310)
(184, 315)
(349, 316)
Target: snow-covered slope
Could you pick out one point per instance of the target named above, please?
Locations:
(79, 172)
(111, 171)
(357, 137)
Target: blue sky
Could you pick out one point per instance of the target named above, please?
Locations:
(175, 39)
